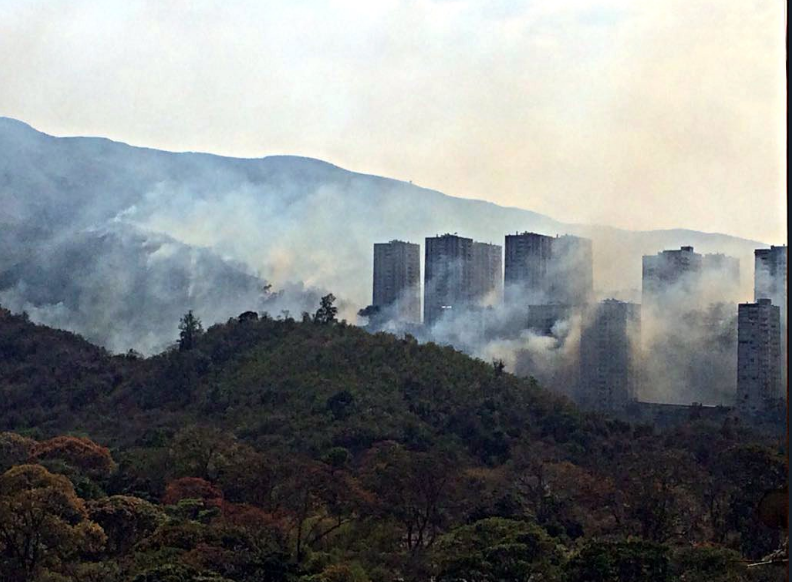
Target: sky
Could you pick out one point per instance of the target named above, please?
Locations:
(643, 115)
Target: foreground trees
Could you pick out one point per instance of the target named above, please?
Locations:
(387, 513)
(281, 451)
(43, 524)
(498, 550)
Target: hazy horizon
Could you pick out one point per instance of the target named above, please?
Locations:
(658, 116)
(397, 178)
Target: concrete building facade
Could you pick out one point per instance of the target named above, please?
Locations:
(770, 282)
(397, 280)
(527, 261)
(487, 276)
(770, 273)
(608, 364)
(770, 277)
(677, 270)
(460, 273)
(542, 269)
(573, 270)
(758, 356)
(543, 318)
(448, 275)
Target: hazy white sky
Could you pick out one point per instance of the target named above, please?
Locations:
(641, 114)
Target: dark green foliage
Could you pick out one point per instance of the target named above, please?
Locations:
(326, 314)
(620, 562)
(709, 564)
(177, 573)
(497, 550)
(190, 329)
(276, 450)
(49, 377)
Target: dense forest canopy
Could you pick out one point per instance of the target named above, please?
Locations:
(280, 450)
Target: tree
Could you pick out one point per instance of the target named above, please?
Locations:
(202, 451)
(496, 550)
(748, 473)
(321, 499)
(326, 314)
(418, 490)
(190, 329)
(192, 488)
(661, 495)
(620, 562)
(14, 449)
(708, 564)
(249, 477)
(125, 520)
(82, 454)
(177, 573)
(43, 524)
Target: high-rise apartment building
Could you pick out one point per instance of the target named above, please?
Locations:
(459, 273)
(447, 275)
(487, 276)
(397, 280)
(608, 363)
(678, 271)
(542, 319)
(541, 269)
(758, 356)
(770, 282)
(770, 276)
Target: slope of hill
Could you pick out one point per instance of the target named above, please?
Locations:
(306, 451)
(279, 383)
(281, 218)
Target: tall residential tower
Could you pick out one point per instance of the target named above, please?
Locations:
(397, 280)
(608, 363)
(459, 273)
(541, 269)
(447, 275)
(770, 282)
(667, 271)
(758, 356)
(770, 276)
(487, 278)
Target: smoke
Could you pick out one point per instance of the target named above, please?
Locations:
(689, 339)
(126, 288)
(683, 351)
(116, 243)
(584, 109)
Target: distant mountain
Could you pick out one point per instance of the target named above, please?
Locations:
(171, 231)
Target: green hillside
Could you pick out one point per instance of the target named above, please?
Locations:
(271, 449)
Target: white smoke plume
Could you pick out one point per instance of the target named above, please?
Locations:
(687, 351)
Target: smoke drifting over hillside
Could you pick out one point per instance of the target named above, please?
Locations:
(126, 288)
(686, 350)
(117, 242)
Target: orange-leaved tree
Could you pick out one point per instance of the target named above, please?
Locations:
(88, 457)
(43, 524)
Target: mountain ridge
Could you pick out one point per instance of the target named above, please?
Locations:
(325, 163)
(296, 222)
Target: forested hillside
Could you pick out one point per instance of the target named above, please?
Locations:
(280, 450)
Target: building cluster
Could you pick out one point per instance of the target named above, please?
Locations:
(545, 280)
(673, 273)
